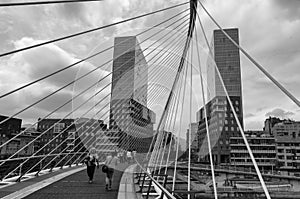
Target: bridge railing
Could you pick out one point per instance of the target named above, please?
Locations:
(31, 168)
(144, 174)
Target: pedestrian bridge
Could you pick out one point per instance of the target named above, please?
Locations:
(129, 181)
(72, 182)
(162, 93)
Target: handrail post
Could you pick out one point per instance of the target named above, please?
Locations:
(41, 166)
(149, 186)
(139, 175)
(141, 187)
(164, 185)
(20, 173)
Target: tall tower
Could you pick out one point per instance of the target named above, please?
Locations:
(222, 124)
(130, 71)
(227, 58)
(128, 107)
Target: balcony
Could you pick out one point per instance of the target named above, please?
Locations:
(253, 151)
(251, 164)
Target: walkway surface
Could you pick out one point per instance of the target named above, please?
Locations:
(77, 186)
(18, 190)
(73, 186)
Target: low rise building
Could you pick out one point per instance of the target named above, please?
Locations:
(270, 122)
(62, 136)
(194, 140)
(8, 130)
(263, 147)
(287, 134)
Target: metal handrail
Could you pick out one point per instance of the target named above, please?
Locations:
(37, 156)
(165, 191)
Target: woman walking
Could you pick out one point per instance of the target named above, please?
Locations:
(91, 162)
(111, 162)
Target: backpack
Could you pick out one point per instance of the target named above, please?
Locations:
(105, 167)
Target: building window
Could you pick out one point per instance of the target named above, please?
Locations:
(280, 151)
(289, 157)
(58, 127)
(226, 128)
(71, 135)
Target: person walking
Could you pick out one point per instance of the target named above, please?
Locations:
(129, 156)
(111, 162)
(121, 156)
(91, 161)
(134, 154)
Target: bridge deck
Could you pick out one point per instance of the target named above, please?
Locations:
(76, 186)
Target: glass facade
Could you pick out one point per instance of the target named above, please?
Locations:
(221, 122)
(130, 71)
(128, 107)
(227, 58)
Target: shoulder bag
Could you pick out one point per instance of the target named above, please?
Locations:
(105, 168)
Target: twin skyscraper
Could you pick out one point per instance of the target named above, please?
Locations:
(128, 107)
(130, 115)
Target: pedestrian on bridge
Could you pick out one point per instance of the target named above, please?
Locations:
(129, 156)
(91, 161)
(111, 162)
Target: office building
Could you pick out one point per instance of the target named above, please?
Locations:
(226, 56)
(128, 107)
(130, 72)
(221, 122)
(221, 126)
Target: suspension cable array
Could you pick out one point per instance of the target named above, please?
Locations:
(164, 40)
(44, 2)
(171, 55)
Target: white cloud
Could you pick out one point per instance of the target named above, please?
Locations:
(280, 113)
(268, 30)
(30, 65)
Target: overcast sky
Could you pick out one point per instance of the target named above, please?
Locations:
(269, 31)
